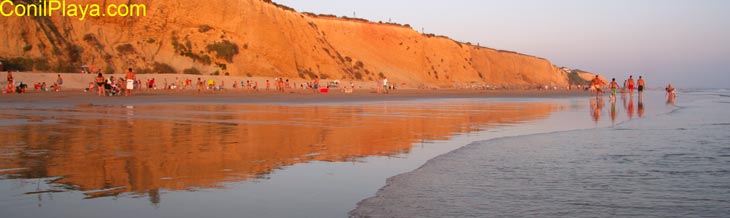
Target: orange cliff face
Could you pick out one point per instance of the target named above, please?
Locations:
(252, 37)
(403, 54)
(106, 151)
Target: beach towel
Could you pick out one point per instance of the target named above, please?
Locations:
(130, 84)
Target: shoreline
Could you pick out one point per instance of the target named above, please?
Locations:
(298, 96)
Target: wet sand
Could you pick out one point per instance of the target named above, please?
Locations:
(298, 96)
(163, 160)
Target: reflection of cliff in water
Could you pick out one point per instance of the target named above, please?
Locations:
(106, 151)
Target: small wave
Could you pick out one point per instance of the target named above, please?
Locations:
(707, 90)
(677, 155)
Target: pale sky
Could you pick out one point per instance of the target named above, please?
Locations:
(683, 42)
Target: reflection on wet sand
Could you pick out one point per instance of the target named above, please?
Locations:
(641, 106)
(106, 151)
(613, 110)
(596, 108)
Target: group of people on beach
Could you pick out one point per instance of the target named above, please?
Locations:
(597, 105)
(126, 85)
(628, 86)
(21, 87)
(116, 86)
(640, 85)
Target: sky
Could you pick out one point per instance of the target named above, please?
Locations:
(683, 42)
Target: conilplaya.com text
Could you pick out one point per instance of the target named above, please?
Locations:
(48, 8)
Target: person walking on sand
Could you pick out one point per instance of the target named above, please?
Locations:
(642, 85)
(130, 77)
(10, 76)
(268, 85)
(631, 85)
(99, 80)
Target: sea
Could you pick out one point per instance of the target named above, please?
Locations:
(674, 164)
(554, 156)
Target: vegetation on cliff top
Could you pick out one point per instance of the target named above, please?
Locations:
(224, 50)
(575, 79)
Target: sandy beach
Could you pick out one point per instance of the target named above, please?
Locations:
(73, 92)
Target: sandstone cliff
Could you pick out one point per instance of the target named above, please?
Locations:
(259, 38)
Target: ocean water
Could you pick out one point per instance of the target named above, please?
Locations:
(674, 164)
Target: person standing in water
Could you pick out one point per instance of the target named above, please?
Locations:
(614, 87)
(631, 85)
(130, 77)
(642, 85)
(671, 94)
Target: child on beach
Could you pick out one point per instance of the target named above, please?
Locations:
(10, 88)
(211, 84)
